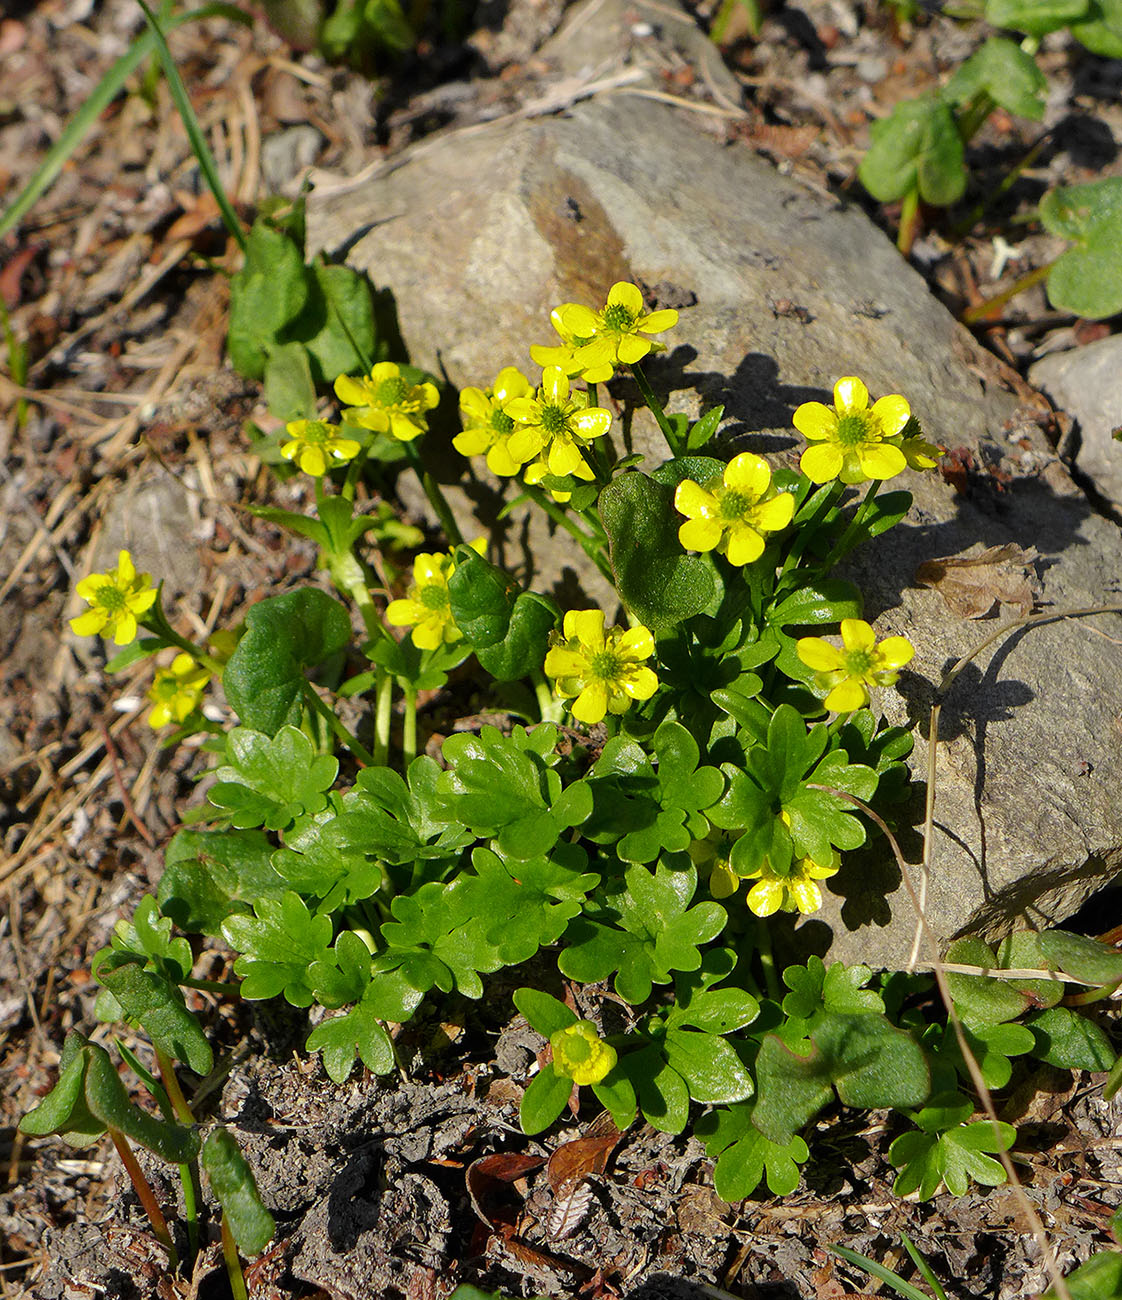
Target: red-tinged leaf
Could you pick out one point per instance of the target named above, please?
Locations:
(485, 1176)
(11, 276)
(576, 1160)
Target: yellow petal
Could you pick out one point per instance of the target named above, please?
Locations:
(807, 895)
(563, 458)
(403, 428)
(749, 474)
(90, 623)
(626, 295)
(775, 514)
(895, 651)
(636, 643)
(472, 442)
(850, 394)
(501, 462)
(700, 534)
(312, 461)
(692, 500)
(882, 460)
(555, 385)
(592, 423)
(560, 661)
(723, 883)
(510, 382)
(892, 412)
(856, 634)
(475, 407)
(125, 631)
(847, 696)
(658, 321)
(429, 635)
(576, 322)
(765, 897)
(641, 684)
(385, 370)
(822, 462)
(818, 654)
(125, 570)
(350, 391)
(744, 546)
(428, 395)
(591, 704)
(525, 410)
(815, 421)
(587, 627)
(403, 613)
(632, 348)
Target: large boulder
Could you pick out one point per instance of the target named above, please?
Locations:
(784, 288)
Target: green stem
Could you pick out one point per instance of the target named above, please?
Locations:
(174, 1091)
(221, 987)
(144, 1193)
(549, 706)
(973, 315)
(808, 531)
(959, 228)
(436, 497)
(233, 1263)
(1088, 996)
(656, 409)
(767, 959)
(155, 621)
(909, 222)
(341, 732)
(409, 726)
(973, 114)
(593, 548)
(383, 712)
(354, 472)
(845, 542)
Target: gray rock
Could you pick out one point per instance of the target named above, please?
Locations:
(784, 288)
(153, 519)
(1087, 384)
(286, 156)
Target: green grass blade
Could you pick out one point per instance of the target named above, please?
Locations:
(923, 1266)
(102, 96)
(894, 1280)
(194, 133)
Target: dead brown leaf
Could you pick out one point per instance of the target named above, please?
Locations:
(486, 1175)
(971, 585)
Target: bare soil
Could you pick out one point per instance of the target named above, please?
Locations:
(129, 431)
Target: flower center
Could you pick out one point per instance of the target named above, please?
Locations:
(391, 391)
(501, 422)
(606, 665)
(858, 663)
(577, 1049)
(734, 505)
(434, 596)
(112, 598)
(316, 431)
(554, 419)
(617, 319)
(852, 429)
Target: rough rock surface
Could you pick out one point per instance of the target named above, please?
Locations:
(783, 289)
(1085, 383)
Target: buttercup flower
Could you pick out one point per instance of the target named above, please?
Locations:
(116, 599)
(557, 422)
(176, 691)
(601, 672)
(853, 441)
(488, 428)
(386, 402)
(797, 891)
(733, 514)
(426, 606)
(711, 858)
(918, 452)
(317, 446)
(533, 475)
(580, 1054)
(615, 332)
(849, 671)
(568, 354)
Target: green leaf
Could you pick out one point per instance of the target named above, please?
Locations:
(657, 581)
(668, 822)
(1101, 32)
(1100, 1278)
(1082, 958)
(235, 1188)
(919, 148)
(712, 1070)
(827, 601)
(396, 822)
(870, 1063)
(359, 1030)
(156, 1004)
(506, 627)
(278, 945)
(543, 1100)
(209, 875)
(703, 429)
(90, 1097)
(436, 937)
(663, 1094)
(1002, 70)
(1087, 279)
(1021, 950)
(148, 938)
(744, 1156)
(1070, 1041)
(318, 862)
(265, 295)
(544, 1013)
(272, 780)
(953, 1157)
(336, 326)
(839, 988)
(982, 998)
(992, 1046)
(290, 392)
(264, 678)
(1036, 17)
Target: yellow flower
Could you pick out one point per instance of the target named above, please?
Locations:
(386, 402)
(733, 514)
(568, 355)
(794, 892)
(853, 441)
(615, 332)
(711, 858)
(533, 475)
(601, 672)
(580, 1054)
(116, 599)
(556, 422)
(176, 691)
(426, 606)
(317, 447)
(848, 672)
(918, 452)
(487, 426)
